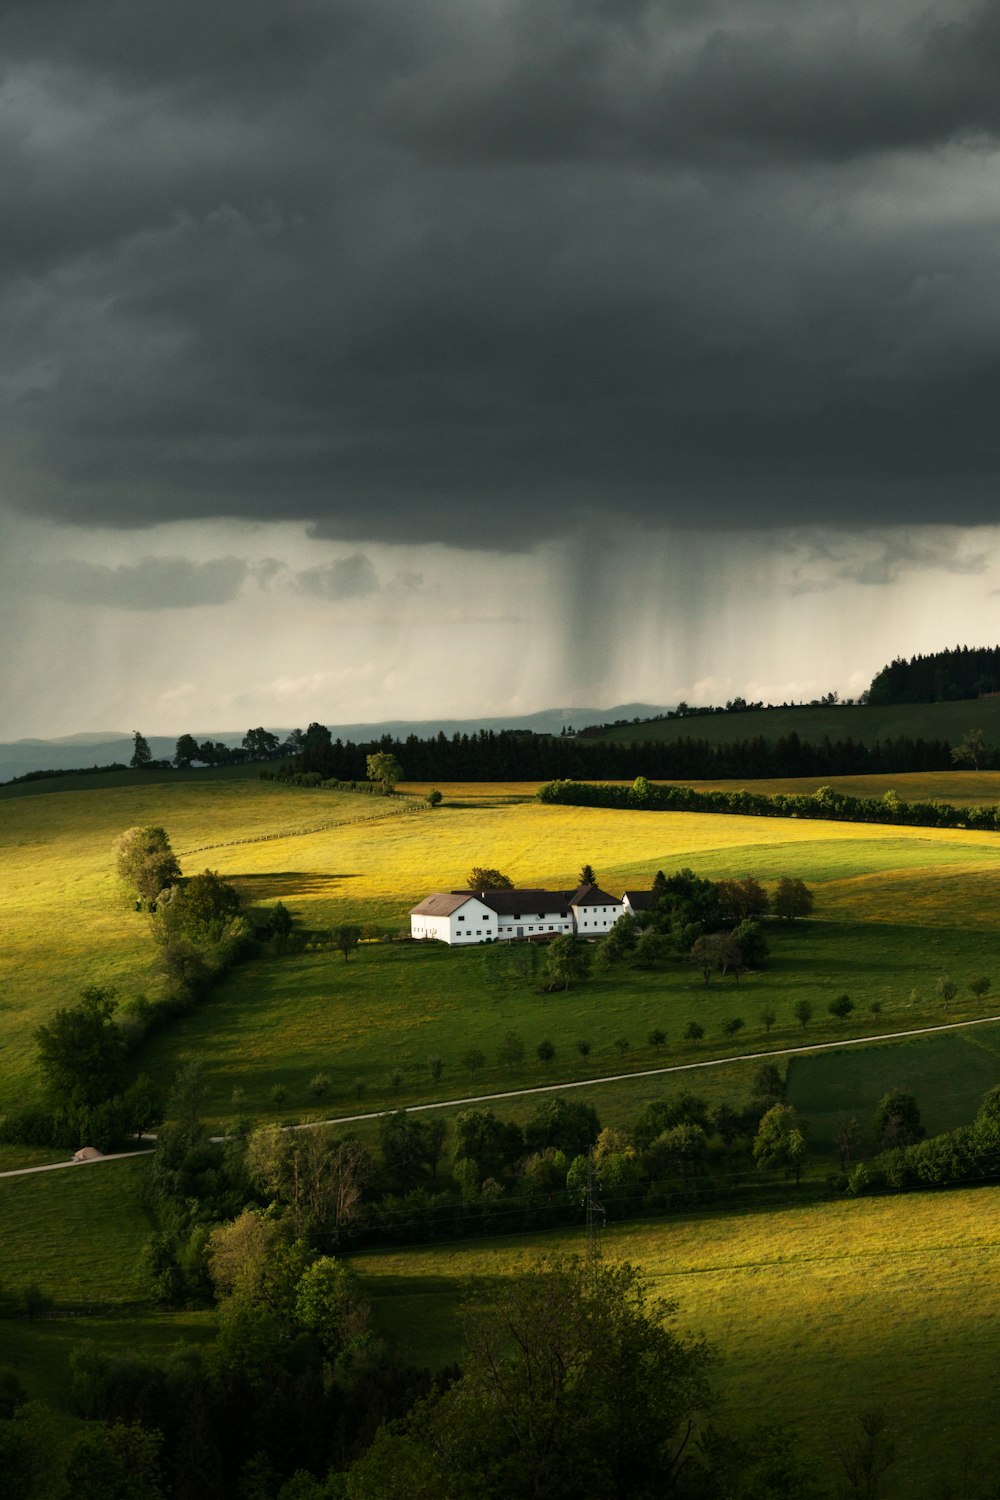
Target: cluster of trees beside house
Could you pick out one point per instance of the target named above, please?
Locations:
(825, 804)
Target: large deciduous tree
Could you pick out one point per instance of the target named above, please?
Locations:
(185, 751)
(742, 899)
(485, 878)
(780, 1141)
(260, 744)
(897, 1120)
(792, 899)
(145, 862)
(572, 1386)
(567, 962)
(81, 1051)
(384, 768)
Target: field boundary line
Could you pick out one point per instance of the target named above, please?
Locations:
(708, 1062)
(302, 833)
(556, 1088)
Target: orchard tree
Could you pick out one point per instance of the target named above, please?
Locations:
(841, 1007)
(346, 938)
(803, 1012)
(947, 989)
(694, 1031)
(979, 987)
(472, 1059)
(384, 768)
(511, 1050)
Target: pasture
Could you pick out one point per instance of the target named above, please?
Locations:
(78, 1234)
(816, 1309)
(816, 1312)
(896, 909)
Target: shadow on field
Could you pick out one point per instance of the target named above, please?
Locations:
(281, 883)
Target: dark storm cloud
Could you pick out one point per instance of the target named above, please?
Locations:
(878, 559)
(151, 583)
(351, 577)
(448, 273)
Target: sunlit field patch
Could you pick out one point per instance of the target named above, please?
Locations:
(339, 858)
(816, 1312)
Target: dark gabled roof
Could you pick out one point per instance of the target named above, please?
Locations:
(512, 903)
(640, 900)
(441, 904)
(590, 895)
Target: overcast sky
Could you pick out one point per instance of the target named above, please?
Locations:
(366, 359)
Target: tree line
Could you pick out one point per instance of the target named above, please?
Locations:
(517, 755)
(825, 804)
(938, 677)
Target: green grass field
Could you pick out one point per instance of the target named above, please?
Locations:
(865, 725)
(816, 1312)
(78, 1234)
(897, 909)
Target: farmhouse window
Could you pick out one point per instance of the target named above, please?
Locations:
(461, 919)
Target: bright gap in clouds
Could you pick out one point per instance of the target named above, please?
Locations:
(246, 625)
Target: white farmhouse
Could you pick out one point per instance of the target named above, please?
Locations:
(461, 917)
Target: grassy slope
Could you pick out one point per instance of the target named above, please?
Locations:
(77, 1233)
(281, 1021)
(816, 1312)
(64, 921)
(897, 908)
(928, 721)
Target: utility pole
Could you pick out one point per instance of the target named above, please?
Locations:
(596, 1217)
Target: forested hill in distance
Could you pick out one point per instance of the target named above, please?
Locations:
(69, 752)
(964, 672)
(814, 723)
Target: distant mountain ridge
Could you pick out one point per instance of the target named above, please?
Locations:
(102, 747)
